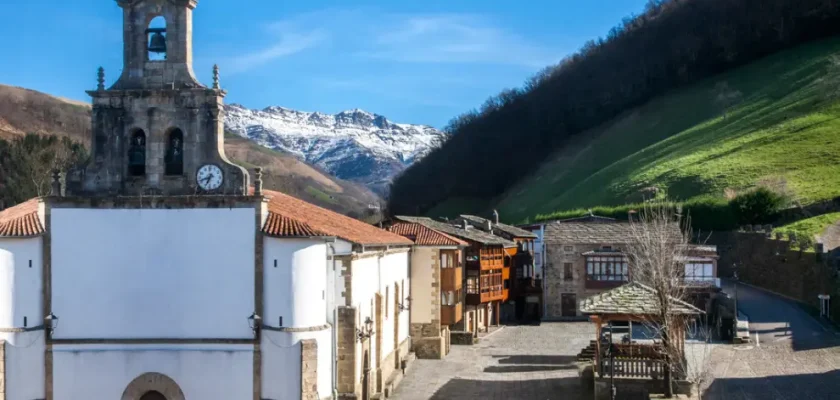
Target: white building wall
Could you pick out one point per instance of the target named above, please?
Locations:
(25, 366)
(296, 272)
(20, 282)
(421, 284)
(371, 275)
(221, 372)
(152, 273)
(295, 282)
(281, 363)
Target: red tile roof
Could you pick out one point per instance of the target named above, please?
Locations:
(292, 217)
(424, 236)
(21, 220)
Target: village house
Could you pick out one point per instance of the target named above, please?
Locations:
(158, 272)
(486, 278)
(525, 303)
(437, 278)
(583, 257)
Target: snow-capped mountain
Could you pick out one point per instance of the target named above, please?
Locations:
(354, 145)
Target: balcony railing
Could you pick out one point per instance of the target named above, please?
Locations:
(451, 279)
(450, 315)
(485, 297)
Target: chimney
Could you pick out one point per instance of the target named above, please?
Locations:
(465, 224)
(488, 226)
(496, 216)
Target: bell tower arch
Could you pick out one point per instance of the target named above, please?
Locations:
(156, 55)
(156, 127)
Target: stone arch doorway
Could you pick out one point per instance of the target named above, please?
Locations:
(153, 386)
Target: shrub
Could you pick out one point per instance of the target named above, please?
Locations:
(759, 206)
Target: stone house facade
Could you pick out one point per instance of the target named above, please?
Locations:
(583, 257)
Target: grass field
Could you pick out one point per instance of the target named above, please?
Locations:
(784, 133)
(810, 227)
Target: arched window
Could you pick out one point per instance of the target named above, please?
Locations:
(152, 395)
(174, 157)
(137, 154)
(156, 39)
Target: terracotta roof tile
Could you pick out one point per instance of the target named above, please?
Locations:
(291, 216)
(21, 220)
(425, 236)
(281, 226)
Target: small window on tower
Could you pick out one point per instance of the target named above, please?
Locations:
(156, 39)
(175, 153)
(137, 154)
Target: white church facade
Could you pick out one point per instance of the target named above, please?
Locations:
(159, 272)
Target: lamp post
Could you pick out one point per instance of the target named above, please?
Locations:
(404, 305)
(50, 323)
(367, 330)
(255, 322)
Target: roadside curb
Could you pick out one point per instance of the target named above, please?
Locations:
(502, 327)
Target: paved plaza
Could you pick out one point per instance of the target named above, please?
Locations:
(795, 358)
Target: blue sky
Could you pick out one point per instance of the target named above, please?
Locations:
(412, 61)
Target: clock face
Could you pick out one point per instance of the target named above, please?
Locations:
(209, 177)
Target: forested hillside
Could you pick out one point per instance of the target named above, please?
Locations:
(672, 44)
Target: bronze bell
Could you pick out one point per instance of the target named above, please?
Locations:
(158, 43)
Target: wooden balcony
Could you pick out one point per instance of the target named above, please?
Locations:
(450, 315)
(451, 279)
(486, 297)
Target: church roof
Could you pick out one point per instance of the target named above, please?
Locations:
(424, 236)
(291, 217)
(21, 220)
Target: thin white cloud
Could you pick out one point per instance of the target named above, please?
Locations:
(408, 38)
(456, 38)
(289, 44)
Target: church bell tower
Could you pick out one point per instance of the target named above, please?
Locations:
(157, 130)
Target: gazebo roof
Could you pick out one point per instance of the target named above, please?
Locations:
(632, 299)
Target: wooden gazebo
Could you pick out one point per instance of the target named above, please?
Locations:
(634, 302)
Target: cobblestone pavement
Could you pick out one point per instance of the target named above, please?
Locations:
(518, 362)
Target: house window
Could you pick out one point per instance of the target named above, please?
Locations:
(472, 255)
(567, 272)
(569, 249)
(450, 298)
(606, 268)
(472, 285)
(699, 271)
(507, 261)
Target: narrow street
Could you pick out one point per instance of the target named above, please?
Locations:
(795, 356)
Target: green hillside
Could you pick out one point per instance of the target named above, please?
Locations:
(784, 132)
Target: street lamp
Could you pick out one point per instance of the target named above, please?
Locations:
(404, 306)
(50, 323)
(366, 331)
(254, 321)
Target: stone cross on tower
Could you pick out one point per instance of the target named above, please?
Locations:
(157, 126)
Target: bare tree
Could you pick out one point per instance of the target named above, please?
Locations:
(657, 252)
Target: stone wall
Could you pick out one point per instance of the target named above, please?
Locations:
(309, 369)
(555, 283)
(461, 337)
(770, 264)
(346, 351)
